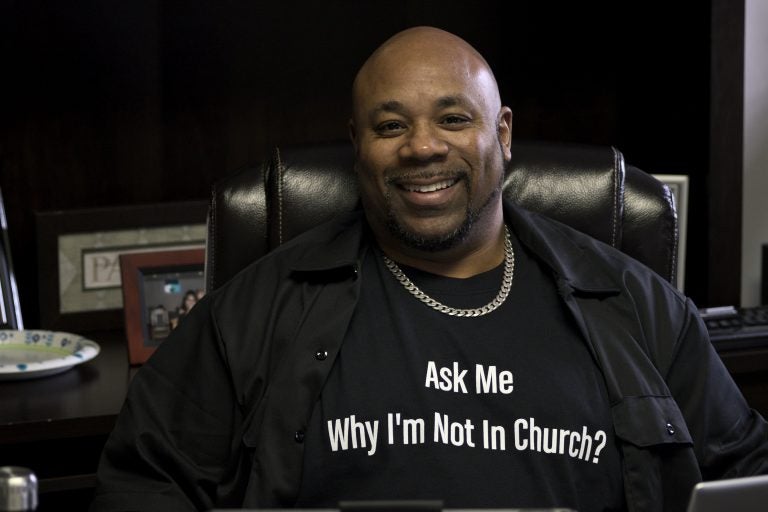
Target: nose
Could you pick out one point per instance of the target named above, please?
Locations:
(423, 143)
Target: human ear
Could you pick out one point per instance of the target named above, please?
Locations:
(504, 131)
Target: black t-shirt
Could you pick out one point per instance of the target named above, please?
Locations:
(504, 410)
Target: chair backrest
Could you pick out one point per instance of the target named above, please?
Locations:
(587, 187)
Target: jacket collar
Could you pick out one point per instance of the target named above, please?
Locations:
(564, 250)
(334, 245)
(341, 244)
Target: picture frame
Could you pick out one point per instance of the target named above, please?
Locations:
(156, 295)
(10, 307)
(679, 186)
(73, 245)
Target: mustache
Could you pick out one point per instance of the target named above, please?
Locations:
(393, 176)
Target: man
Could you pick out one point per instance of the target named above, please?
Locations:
(440, 345)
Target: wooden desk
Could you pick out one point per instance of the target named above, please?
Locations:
(57, 425)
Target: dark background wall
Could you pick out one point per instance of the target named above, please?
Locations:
(106, 102)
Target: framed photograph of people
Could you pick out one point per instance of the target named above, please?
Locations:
(159, 289)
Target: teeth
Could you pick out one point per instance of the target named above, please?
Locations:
(440, 185)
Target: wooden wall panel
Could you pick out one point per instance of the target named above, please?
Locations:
(138, 102)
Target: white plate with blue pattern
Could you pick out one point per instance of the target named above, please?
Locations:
(36, 353)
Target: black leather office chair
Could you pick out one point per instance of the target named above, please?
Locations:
(588, 187)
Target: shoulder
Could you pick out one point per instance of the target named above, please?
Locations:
(335, 240)
(272, 287)
(582, 259)
(606, 281)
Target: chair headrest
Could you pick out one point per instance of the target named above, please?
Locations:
(587, 187)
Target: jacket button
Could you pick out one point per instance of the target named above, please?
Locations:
(299, 436)
(670, 429)
(321, 355)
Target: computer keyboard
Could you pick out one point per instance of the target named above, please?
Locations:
(737, 328)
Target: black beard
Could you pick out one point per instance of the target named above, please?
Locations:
(458, 235)
(431, 244)
(445, 241)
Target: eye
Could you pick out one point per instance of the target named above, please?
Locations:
(454, 121)
(390, 128)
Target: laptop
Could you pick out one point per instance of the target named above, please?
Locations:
(745, 494)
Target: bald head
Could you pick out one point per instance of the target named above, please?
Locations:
(431, 143)
(424, 55)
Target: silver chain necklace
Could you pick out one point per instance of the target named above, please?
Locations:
(506, 285)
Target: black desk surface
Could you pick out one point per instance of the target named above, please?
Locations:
(57, 425)
(79, 402)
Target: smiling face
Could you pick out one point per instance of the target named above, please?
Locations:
(431, 141)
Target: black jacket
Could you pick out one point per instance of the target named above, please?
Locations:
(216, 417)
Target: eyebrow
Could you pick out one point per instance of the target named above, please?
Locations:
(451, 101)
(389, 106)
(442, 102)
